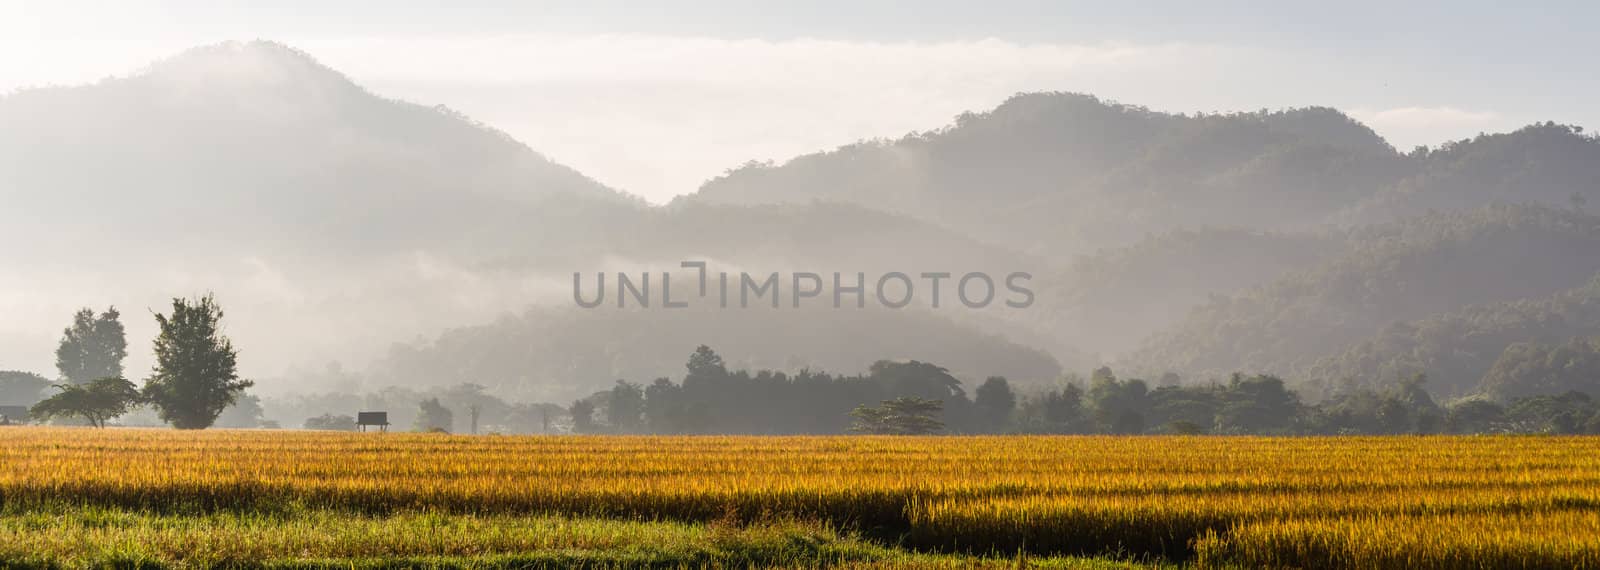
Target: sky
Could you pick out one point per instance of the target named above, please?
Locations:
(655, 98)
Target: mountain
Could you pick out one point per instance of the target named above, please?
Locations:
(261, 143)
(1392, 272)
(1458, 348)
(1067, 173)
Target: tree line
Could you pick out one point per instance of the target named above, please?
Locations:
(195, 382)
(922, 398)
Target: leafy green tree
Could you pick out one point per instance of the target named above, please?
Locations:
(93, 347)
(1117, 406)
(899, 416)
(996, 402)
(432, 416)
(1475, 415)
(1257, 404)
(706, 363)
(1394, 415)
(626, 409)
(97, 401)
(582, 416)
(870, 420)
(196, 375)
(1065, 407)
(917, 379)
(1185, 411)
(663, 408)
(1054, 411)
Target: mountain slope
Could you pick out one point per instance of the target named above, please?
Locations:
(1068, 173)
(1456, 349)
(261, 143)
(1395, 272)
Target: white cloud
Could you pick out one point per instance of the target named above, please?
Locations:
(1415, 125)
(1427, 117)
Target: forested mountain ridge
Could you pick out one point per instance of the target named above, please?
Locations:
(1457, 349)
(1070, 173)
(1393, 272)
(1542, 163)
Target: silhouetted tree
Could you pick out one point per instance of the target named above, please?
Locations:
(1256, 404)
(996, 402)
(1117, 407)
(916, 379)
(626, 407)
(705, 363)
(663, 407)
(92, 348)
(582, 416)
(196, 375)
(1475, 415)
(432, 416)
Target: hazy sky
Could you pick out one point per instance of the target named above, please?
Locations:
(655, 99)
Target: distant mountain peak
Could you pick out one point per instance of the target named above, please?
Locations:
(257, 67)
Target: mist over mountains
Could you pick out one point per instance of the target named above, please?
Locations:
(421, 248)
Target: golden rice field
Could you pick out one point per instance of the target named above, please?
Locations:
(156, 498)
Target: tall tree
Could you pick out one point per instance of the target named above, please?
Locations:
(996, 401)
(432, 416)
(662, 409)
(627, 407)
(705, 365)
(92, 348)
(1118, 406)
(582, 416)
(196, 374)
